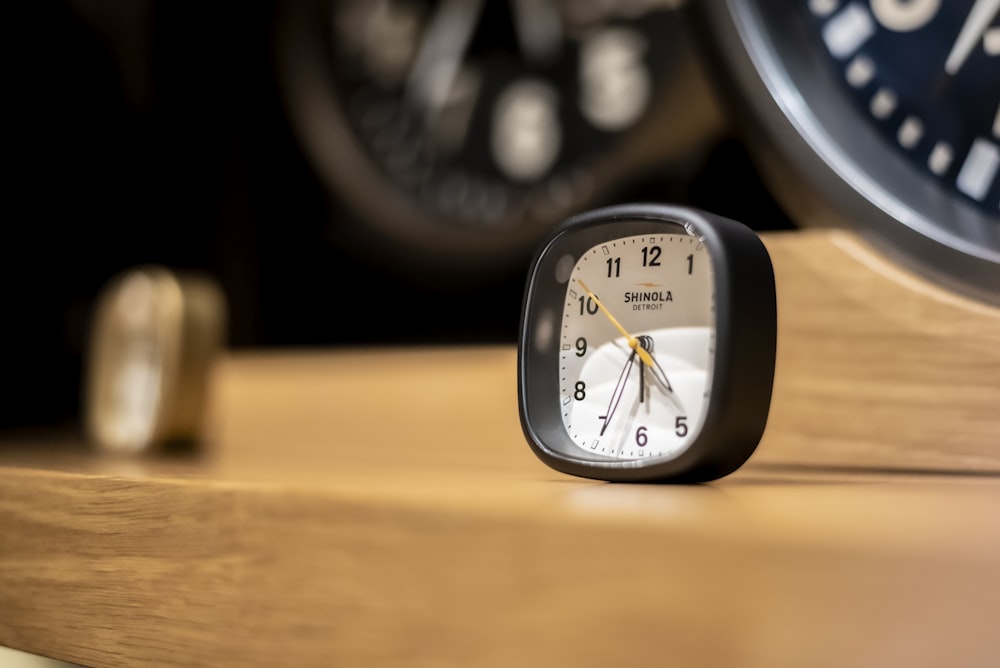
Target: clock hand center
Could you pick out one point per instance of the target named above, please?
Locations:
(972, 31)
(633, 342)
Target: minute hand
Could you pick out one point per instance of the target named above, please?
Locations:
(437, 63)
(633, 342)
(616, 395)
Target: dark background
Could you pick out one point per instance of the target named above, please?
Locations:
(145, 131)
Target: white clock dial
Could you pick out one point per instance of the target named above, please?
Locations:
(617, 401)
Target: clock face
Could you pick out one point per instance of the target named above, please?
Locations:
(926, 75)
(616, 401)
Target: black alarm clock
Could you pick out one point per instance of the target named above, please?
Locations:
(647, 345)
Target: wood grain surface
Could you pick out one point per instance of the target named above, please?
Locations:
(379, 507)
(876, 367)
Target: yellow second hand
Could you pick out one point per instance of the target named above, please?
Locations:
(632, 341)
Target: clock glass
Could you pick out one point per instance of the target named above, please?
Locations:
(637, 345)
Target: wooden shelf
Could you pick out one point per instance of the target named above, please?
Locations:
(380, 507)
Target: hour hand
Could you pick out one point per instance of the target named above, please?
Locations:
(648, 344)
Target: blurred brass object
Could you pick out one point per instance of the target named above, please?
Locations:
(154, 336)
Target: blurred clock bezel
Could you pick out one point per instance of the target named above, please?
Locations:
(827, 164)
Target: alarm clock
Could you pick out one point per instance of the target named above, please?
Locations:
(647, 345)
(882, 116)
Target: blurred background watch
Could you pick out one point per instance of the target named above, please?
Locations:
(879, 116)
(459, 132)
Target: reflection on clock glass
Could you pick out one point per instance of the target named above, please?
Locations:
(487, 112)
(643, 394)
(926, 73)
